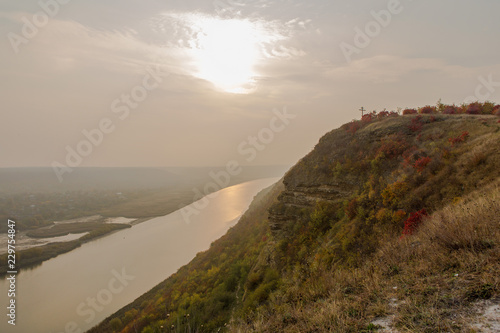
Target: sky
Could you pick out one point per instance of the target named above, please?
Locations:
(201, 83)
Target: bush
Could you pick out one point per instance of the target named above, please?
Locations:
(351, 209)
(461, 138)
(116, 324)
(474, 108)
(416, 124)
(427, 109)
(368, 117)
(353, 126)
(413, 222)
(254, 279)
(393, 146)
(409, 111)
(451, 109)
(421, 163)
(393, 193)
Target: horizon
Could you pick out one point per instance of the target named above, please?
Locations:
(127, 84)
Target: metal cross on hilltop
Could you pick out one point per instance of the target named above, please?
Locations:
(362, 111)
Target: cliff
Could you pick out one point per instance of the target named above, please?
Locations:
(389, 221)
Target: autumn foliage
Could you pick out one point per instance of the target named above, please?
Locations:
(461, 138)
(413, 222)
(421, 163)
(409, 111)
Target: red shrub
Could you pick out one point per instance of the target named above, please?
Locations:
(413, 222)
(428, 109)
(421, 163)
(409, 111)
(474, 108)
(496, 110)
(353, 126)
(416, 124)
(409, 156)
(451, 109)
(368, 117)
(461, 138)
(383, 114)
(393, 146)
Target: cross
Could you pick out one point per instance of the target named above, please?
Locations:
(362, 111)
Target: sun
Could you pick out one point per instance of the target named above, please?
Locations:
(225, 53)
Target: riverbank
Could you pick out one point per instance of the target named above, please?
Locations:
(141, 256)
(35, 255)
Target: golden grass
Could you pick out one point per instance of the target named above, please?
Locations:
(426, 282)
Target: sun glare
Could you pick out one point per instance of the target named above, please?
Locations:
(226, 53)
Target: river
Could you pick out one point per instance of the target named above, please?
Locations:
(75, 291)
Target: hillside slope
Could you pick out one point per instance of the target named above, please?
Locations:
(348, 245)
(203, 293)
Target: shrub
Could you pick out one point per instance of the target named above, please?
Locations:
(383, 215)
(368, 117)
(416, 124)
(116, 324)
(487, 108)
(427, 109)
(409, 111)
(421, 163)
(253, 280)
(474, 108)
(353, 126)
(383, 114)
(398, 216)
(393, 146)
(351, 208)
(451, 109)
(461, 138)
(496, 110)
(413, 222)
(393, 193)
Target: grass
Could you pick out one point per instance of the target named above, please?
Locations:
(427, 281)
(333, 259)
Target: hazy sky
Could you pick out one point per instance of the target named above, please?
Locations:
(178, 83)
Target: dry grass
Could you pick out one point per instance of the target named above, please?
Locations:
(426, 283)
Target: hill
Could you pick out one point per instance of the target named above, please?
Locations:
(390, 221)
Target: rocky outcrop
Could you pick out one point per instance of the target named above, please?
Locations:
(300, 197)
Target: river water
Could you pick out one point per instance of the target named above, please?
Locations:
(75, 291)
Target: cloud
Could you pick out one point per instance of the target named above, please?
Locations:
(384, 68)
(77, 45)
